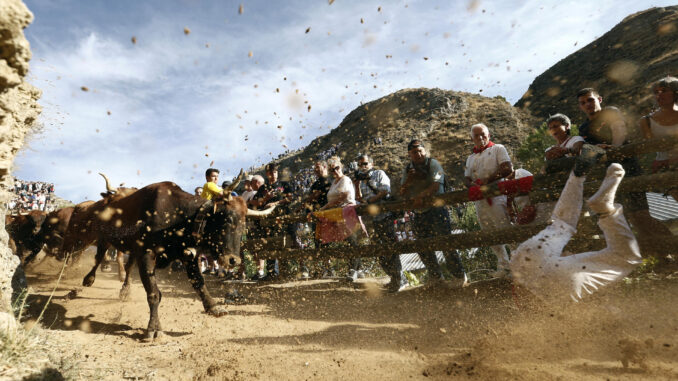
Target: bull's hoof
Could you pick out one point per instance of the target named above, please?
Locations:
(121, 276)
(124, 292)
(218, 311)
(151, 336)
(88, 281)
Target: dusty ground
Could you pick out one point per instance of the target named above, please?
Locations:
(332, 330)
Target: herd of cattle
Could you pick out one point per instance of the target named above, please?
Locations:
(154, 225)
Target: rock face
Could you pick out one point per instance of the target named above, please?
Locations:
(18, 112)
(620, 64)
(442, 119)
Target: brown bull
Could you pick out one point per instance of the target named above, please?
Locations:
(80, 234)
(37, 231)
(24, 234)
(160, 223)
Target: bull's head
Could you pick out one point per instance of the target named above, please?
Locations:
(118, 192)
(226, 224)
(25, 230)
(224, 227)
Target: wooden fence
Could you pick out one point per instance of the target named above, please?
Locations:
(545, 188)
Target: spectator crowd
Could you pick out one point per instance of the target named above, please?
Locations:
(331, 186)
(31, 195)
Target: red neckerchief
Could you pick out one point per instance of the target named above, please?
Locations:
(479, 150)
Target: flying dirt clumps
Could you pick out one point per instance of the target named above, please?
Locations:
(18, 112)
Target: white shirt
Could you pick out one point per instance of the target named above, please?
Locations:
(339, 187)
(659, 131)
(568, 143)
(247, 195)
(483, 165)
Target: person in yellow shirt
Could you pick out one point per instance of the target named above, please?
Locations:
(211, 189)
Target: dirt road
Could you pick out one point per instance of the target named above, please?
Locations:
(334, 330)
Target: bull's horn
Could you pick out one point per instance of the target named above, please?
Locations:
(235, 183)
(260, 213)
(108, 183)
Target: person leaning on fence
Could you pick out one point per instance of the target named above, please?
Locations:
(248, 193)
(341, 194)
(488, 164)
(256, 230)
(316, 199)
(663, 122)
(423, 177)
(211, 190)
(373, 186)
(281, 192)
(559, 126)
(605, 128)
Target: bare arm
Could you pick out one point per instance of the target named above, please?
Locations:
(644, 124)
(504, 170)
(619, 134)
(377, 197)
(343, 197)
(468, 182)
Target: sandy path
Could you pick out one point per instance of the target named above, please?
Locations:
(333, 330)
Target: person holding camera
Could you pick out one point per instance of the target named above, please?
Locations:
(424, 177)
(373, 186)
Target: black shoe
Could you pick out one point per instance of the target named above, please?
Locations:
(588, 157)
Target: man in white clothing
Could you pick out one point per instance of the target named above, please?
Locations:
(249, 192)
(538, 264)
(489, 163)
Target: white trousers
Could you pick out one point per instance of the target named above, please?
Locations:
(495, 216)
(537, 263)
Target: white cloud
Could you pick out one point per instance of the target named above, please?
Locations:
(170, 95)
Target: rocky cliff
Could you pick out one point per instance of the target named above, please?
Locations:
(18, 112)
(620, 64)
(441, 118)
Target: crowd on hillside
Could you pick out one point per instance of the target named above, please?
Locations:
(325, 188)
(31, 195)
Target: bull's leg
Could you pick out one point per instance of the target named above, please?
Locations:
(122, 269)
(124, 291)
(101, 252)
(198, 283)
(30, 257)
(153, 295)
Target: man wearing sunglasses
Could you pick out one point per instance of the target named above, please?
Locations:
(281, 192)
(422, 178)
(372, 186)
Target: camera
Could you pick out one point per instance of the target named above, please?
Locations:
(362, 175)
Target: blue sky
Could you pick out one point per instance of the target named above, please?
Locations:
(236, 90)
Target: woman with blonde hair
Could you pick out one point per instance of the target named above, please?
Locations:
(341, 194)
(663, 122)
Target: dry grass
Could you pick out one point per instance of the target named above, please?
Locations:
(24, 350)
(20, 349)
